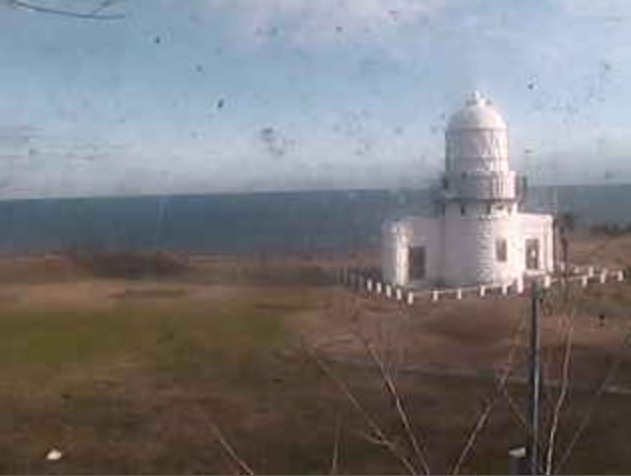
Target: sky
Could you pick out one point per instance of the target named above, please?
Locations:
(207, 96)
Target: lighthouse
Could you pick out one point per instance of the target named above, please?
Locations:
(477, 233)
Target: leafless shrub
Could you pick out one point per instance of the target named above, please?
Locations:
(602, 388)
(131, 264)
(387, 376)
(486, 412)
(565, 383)
(375, 434)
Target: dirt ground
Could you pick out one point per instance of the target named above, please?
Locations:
(268, 355)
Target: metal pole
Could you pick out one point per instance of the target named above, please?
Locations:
(535, 380)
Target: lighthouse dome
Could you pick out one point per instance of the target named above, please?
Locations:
(477, 139)
(478, 113)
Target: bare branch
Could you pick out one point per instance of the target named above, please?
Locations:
(514, 407)
(336, 448)
(95, 14)
(377, 435)
(486, 412)
(592, 406)
(401, 411)
(104, 5)
(565, 381)
(230, 451)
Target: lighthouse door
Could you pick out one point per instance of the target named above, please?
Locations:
(417, 263)
(532, 254)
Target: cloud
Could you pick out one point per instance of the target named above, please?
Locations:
(304, 21)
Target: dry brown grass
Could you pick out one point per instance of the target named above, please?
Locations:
(129, 376)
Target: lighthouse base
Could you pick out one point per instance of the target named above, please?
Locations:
(459, 251)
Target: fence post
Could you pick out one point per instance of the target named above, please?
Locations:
(620, 276)
(379, 287)
(410, 299)
(369, 285)
(459, 293)
(482, 291)
(584, 281)
(399, 294)
(517, 461)
(504, 289)
(603, 276)
(547, 281)
(435, 296)
(519, 285)
(388, 291)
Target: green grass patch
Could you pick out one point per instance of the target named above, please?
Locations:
(43, 345)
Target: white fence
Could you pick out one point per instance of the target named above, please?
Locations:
(364, 282)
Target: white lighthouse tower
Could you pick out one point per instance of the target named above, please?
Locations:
(477, 234)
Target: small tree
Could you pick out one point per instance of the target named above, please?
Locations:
(567, 221)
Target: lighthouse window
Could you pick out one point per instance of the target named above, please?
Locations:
(417, 263)
(501, 250)
(532, 254)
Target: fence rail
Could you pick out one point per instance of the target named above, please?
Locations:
(366, 282)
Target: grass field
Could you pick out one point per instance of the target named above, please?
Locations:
(131, 375)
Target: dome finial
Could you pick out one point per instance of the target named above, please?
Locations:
(478, 113)
(475, 98)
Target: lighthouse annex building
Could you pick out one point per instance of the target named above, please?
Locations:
(476, 234)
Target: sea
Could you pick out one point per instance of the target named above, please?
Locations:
(306, 221)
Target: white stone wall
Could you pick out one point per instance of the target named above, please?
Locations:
(399, 236)
(461, 249)
(394, 239)
(470, 256)
(538, 226)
